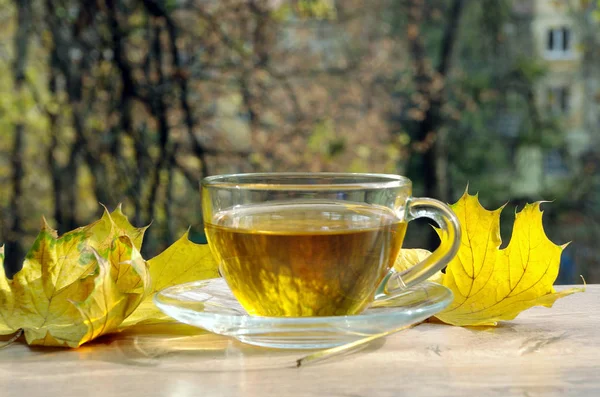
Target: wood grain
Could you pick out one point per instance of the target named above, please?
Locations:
(544, 352)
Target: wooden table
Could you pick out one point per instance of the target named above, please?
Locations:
(544, 352)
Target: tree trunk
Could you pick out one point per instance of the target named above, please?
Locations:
(14, 248)
(429, 135)
(435, 163)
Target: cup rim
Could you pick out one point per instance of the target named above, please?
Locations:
(371, 181)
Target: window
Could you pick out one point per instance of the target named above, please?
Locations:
(555, 164)
(559, 42)
(558, 100)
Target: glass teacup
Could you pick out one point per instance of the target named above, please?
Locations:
(317, 244)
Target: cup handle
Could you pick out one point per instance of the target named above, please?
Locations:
(396, 282)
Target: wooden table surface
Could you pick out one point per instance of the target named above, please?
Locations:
(544, 352)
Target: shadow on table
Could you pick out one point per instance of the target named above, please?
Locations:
(174, 348)
(208, 352)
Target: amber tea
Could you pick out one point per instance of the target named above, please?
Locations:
(305, 258)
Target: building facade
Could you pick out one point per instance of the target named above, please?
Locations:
(565, 36)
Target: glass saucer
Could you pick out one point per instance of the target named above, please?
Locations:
(209, 304)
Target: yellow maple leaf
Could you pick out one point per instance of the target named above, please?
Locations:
(184, 261)
(490, 284)
(101, 233)
(65, 289)
(407, 258)
(112, 300)
(74, 288)
(136, 234)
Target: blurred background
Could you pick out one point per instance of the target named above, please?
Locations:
(134, 101)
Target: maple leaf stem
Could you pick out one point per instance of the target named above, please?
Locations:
(334, 351)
